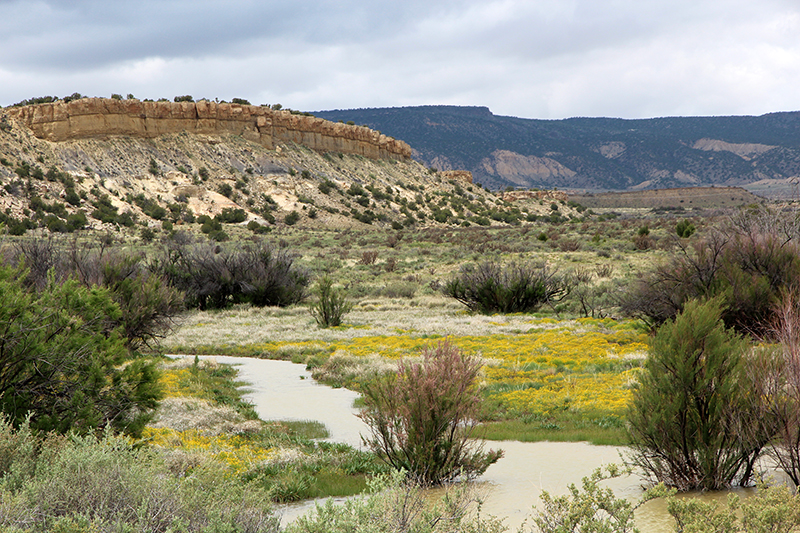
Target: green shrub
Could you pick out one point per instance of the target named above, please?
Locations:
(684, 229)
(591, 508)
(393, 505)
(749, 271)
(422, 418)
(62, 359)
(292, 218)
(331, 304)
(694, 421)
(327, 186)
(225, 189)
(231, 215)
(107, 484)
(515, 288)
(149, 206)
(774, 508)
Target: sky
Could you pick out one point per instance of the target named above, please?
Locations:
(545, 59)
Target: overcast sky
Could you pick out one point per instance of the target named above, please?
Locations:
(525, 58)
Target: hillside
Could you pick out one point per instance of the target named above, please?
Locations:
(126, 166)
(596, 153)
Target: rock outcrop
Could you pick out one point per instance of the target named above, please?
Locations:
(513, 196)
(457, 175)
(104, 117)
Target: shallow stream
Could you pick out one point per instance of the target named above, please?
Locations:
(281, 390)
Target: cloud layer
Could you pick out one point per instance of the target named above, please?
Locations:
(529, 58)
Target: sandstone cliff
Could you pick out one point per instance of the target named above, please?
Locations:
(102, 117)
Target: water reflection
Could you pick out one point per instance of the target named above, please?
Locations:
(281, 390)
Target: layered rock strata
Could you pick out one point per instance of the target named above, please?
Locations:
(103, 117)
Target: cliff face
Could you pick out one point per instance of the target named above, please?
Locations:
(101, 117)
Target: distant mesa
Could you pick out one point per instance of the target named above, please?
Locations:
(105, 117)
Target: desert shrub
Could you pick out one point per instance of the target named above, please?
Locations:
(778, 377)
(684, 229)
(773, 508)
(393, 505)
(399, 289)
(514, 288)
(153, 168)
(748, 271)
(257, 228)
(327, 186)
(331, 304)
(107, 484)
(694, 422)
(643, 242)
(292, 218)
(591, 508)
(421, 418)
(105, 211)
(148, 304)
(147, 235)
(231, 216)
(225, 189)
(62, 355)
(212, 278)
(368, 257)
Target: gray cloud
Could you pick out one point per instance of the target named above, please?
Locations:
(541, 58)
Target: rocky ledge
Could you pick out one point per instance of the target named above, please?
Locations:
(105, 117)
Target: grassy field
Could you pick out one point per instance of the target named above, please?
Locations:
(563, 373)
(543, 378)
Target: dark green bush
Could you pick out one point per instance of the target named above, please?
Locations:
(684, 229)
(149, 206)
(514, 288)
(292, 218)
(225, 189)
(327, 186)
(231, 215)
(62, 355)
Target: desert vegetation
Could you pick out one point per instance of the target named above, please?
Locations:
(550, 325)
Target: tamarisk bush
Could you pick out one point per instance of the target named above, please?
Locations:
(694, 422)
(421, 418)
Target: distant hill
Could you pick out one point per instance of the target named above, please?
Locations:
(595, 153)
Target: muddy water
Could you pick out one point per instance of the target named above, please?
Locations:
(282, 390)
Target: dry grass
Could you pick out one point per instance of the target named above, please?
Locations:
(428, 316)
